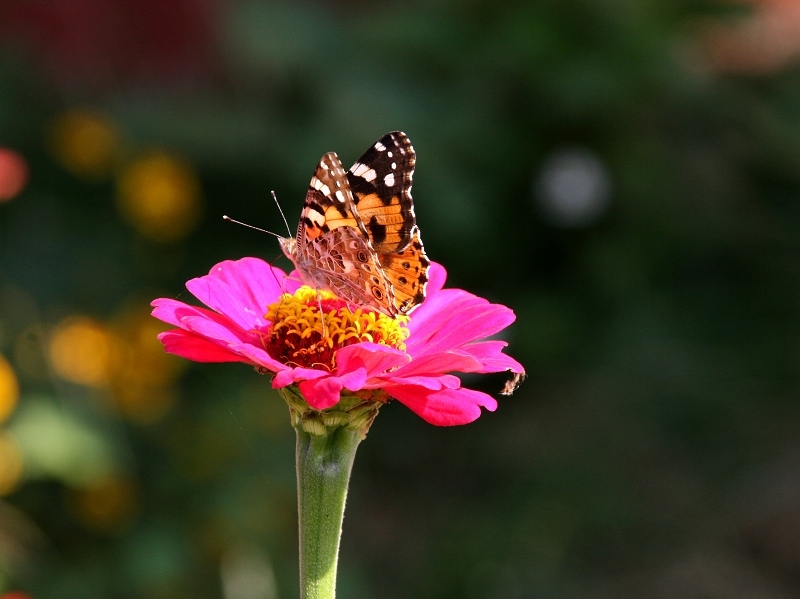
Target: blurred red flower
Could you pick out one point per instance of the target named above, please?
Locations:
(99, 42)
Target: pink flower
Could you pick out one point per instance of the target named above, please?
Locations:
(446, 333)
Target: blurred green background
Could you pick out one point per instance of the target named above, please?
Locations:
(625, 174)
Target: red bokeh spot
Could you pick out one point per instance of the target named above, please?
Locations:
(13, 177)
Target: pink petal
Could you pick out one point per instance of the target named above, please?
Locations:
(434, 383)
(445, 304)
(179, 314)
(225, 331)
(190, 346)
(430, 309)
(225, 300)
(240, 289)
(373, 358)
(167, 310)
(491, 357)
(452, 361)
(323, 382)
(255, 278)
(354, 365)
(485, 349)
(437, 275)
(448, 407)
(288, 376)
(463, 321)
(257, 355)
(217, 330)
(321, 393)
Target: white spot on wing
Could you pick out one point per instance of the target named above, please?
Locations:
(389, 180)
(315, 217)
(340, 196)
(379, 146)
(394, 165)
(389, 154)
(320, 186)
(363, 171)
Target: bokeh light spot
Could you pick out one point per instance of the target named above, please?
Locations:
(13, 174)
(142, 374)
(9, 389)
(573, 188)
(11, 465)
(106, 505)
(86, 143)
(80, 351)
(159, 195)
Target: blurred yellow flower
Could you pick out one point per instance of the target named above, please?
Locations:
(10, 464)
(159, 195)
(124, 358)
(80, 351)
(9, 389)
(106, 505)
(86, 143)
(142, 374)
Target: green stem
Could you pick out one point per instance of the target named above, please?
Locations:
(324, 463)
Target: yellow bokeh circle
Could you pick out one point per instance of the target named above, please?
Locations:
(142, 373)
(159, 195)
(86, 143)
(80, 351)
(9, 389)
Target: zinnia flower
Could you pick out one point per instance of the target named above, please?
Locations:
(261, 316)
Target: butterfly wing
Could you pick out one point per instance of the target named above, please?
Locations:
(329, 202)
(347, 265)
(381, 186)
(357, 235)
(333, 250)
(407, 271)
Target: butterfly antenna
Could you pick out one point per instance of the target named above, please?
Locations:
(238, 222)
(275, 197)
(278, 257)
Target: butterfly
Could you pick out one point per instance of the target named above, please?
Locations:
(358, 235)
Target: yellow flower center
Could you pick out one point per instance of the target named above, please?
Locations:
(310, 326)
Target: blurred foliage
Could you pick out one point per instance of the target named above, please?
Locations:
(605, 167)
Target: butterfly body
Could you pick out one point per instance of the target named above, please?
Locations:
(357, 235)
